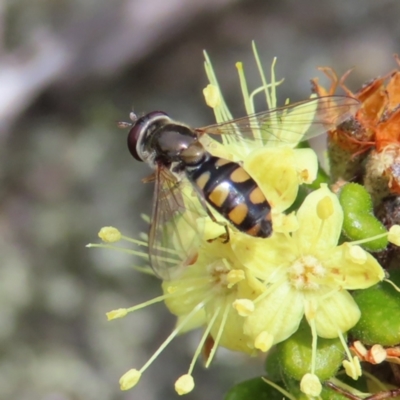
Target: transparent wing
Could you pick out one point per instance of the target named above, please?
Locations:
(176, 227)
(290, 124)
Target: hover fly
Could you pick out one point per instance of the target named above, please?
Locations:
(190, 181)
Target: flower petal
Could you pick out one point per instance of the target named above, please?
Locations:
(350, 273)
(264, 258)
(275, 172)
(306, 162)
(232, 336)
(279, 314)
(336, 312)
(315, 233)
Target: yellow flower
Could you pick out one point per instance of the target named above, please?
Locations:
(307, 273)
(272, 160)
(218, 283)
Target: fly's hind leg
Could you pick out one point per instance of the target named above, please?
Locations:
(226, 235)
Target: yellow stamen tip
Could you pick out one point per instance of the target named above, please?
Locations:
(353, 368)
(244, 307)
(129, 379)
(264, 341)
(184, 384)
(109, 234)
(239, 65)
(394, 235)
(114, 314)
(355, 254)
(325, 208)
(212, 96)
(234, 276)
(310, 385)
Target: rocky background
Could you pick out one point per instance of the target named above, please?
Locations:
(69, 69)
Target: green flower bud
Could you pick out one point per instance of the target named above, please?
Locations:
(359, 221)
(295, 355)
(380, 313)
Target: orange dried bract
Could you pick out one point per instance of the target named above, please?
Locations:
(376, 123)
(388, 131)
(393, 91)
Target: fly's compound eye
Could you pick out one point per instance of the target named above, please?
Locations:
(141, 129)
(134, 136)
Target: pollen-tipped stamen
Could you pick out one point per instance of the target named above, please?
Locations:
(202, 341)
(219, 334)
(172, 335)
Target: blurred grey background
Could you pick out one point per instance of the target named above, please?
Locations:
(69, 69)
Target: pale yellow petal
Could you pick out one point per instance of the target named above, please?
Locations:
(315, 233)
(279, 314)
(232, 336)
(333, 312)
(275, 172)
(348, 272)
(306, 162)
(263, 256)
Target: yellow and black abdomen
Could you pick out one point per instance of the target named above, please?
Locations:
(232, 192)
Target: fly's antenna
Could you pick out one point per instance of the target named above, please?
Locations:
(123, 125)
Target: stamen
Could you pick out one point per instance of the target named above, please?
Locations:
(325, 208)
(310, 385)
(121, 312)
(249, 106)
(109, 234)
(203, 340)
(279, 388)
(212, 96)
(184, 384)
(270, 96)
(235, 276)
(244, 307)
(135, 241)
(221, 112)
(129, 379)
(393, 284)
(219, 334)
(355, 253)
(172, 335)
(352, 364)
(121, 249)
(313, 345)
(264, 341)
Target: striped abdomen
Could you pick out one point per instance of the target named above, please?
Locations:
(231, 191)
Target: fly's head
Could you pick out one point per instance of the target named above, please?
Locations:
(142, 133)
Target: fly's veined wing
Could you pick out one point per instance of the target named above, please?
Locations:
(175, 230)
(290, 124)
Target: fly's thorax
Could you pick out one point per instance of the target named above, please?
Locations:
(175, 142)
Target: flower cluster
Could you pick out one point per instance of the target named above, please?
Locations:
(249, 294)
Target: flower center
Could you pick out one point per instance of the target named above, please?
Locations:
(305, 273)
